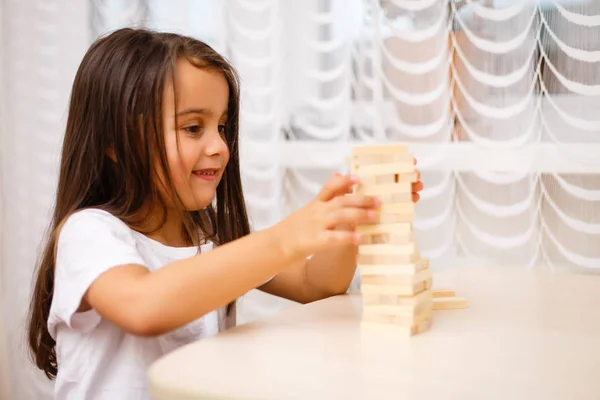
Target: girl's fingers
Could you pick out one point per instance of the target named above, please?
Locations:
(417, 186)
(360, 201)
(415, 197)
(336, 186)
(334, 237)
(349, 216)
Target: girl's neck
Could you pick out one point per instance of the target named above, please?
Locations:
(171, 232)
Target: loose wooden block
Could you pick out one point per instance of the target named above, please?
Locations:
(443, 293)
(449, 303)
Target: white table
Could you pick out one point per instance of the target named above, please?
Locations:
(527, 334)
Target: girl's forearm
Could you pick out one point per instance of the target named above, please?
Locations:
(187, 289)
(330, 272)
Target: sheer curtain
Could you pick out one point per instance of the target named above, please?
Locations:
(4, 355)
(496, 99)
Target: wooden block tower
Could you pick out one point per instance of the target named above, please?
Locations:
(395, 279)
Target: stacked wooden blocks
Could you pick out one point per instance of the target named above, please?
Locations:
(395, 279)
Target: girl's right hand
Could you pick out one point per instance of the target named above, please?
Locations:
(313, 227)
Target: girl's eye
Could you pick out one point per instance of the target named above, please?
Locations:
(222, 129)
(193, 129)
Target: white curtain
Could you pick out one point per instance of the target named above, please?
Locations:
(498, 100)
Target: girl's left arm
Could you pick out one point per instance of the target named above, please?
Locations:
(326, 273)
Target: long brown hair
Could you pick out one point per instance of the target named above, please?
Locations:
(116, 103)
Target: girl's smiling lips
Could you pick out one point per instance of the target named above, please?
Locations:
(207, 174)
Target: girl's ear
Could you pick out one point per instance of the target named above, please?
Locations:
(110, 152)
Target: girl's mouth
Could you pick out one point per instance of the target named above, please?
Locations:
(208, 174)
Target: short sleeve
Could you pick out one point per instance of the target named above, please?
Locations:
(90, 243)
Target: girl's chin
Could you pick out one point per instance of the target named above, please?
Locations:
(199, 204)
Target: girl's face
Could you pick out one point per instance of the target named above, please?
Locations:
(198, 161)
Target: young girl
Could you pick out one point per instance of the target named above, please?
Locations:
(150, 243)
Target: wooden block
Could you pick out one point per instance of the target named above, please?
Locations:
(384, 222)
(374, 159)
(389, 238)
(395, 330)
(393, 213)
(396, 279)
(443, 293)
(449, 303)
(387, 249)
(397, 315)
(396, 188)
(420, 310)
(397, 208)
(390, 269)
(379, 179)
(400, 197)
(399, 290)
(386, 178)
(387, 259)
(407, 302)
(394, 218)
(419, 326)
(408, 177)
(374, 229)
(404, 167)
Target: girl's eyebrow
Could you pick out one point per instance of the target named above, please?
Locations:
(201, 111)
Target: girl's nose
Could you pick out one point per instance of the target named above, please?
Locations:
(216, 143)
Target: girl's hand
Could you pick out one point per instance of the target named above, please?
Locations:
(416, 188)
(313, 227)
(329, 219)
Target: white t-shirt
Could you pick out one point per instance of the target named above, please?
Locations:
(96, 359)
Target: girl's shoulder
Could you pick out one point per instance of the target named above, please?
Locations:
(92, 221)
(96, 214)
